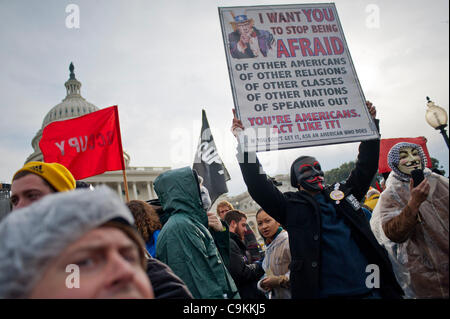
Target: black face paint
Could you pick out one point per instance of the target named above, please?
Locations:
(309, 174)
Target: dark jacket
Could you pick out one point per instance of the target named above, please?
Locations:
(300, 214)
(166, 285)
(244, 273)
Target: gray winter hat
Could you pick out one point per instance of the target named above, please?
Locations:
(31, 237)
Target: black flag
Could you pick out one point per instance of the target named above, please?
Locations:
(208, 164)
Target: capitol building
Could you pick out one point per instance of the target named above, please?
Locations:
(139, 179)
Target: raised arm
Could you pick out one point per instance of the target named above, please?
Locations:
(366, 163)
(260, 188)
(399, 228)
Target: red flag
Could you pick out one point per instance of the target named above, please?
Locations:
(386, 145)
(87, 145)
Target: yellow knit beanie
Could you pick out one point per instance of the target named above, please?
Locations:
(54, 173)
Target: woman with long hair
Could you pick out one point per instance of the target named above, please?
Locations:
(147, 222)
(275, 282)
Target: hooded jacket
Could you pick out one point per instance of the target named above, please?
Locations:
(185, 244)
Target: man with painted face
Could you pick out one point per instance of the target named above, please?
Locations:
(411, 222)
(332, 246)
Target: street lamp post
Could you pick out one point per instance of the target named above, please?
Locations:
(436, 116)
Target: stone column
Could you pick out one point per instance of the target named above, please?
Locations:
(153, 190)
(119, 190)
(149, 191)
(135, 190)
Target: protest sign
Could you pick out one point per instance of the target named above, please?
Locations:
(292, 77)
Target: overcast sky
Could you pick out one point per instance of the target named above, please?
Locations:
(161, 62)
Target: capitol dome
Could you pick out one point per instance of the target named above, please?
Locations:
(73, 105)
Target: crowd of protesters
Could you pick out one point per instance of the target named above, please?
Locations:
(65, 239)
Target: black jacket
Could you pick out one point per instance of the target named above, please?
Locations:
(166, 285)
(300, 214)
(245, 275)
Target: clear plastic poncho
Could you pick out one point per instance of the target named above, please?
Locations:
(421, 262)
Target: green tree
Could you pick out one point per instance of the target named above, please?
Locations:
(339, 174)
(435, 166)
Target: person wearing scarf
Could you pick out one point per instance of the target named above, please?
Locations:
(275, 282)
(411, 222)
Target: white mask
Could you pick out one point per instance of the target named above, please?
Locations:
(409, 160)
(206, 200)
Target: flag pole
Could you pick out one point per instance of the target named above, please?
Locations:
(125, 183)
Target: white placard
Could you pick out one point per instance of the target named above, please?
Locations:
(292, 77)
